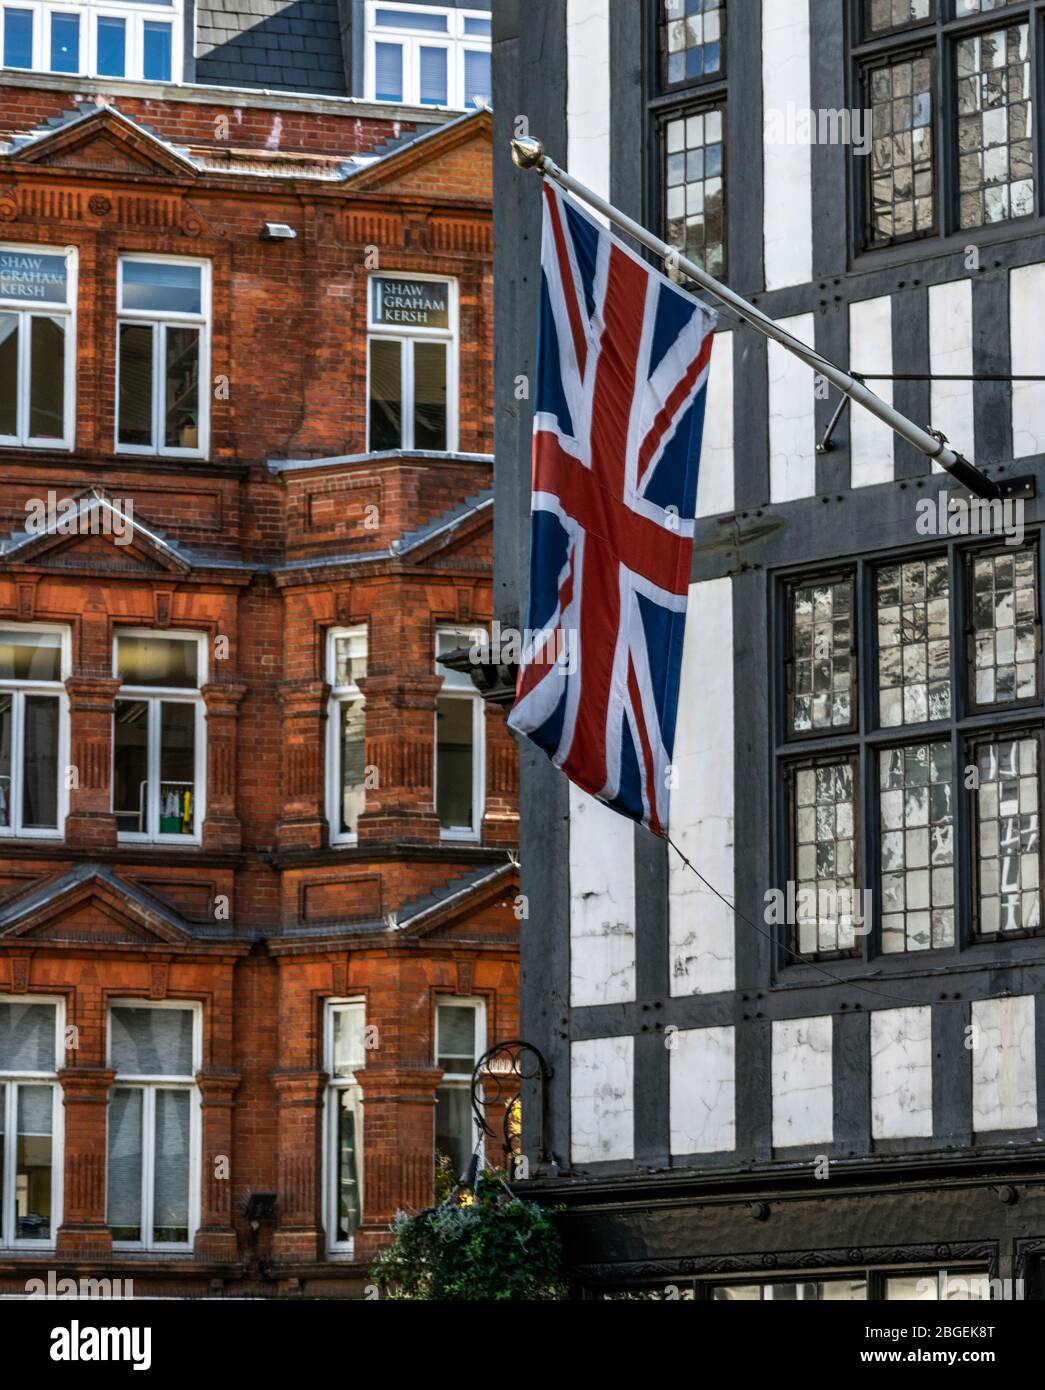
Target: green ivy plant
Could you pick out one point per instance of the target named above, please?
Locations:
(485, 1245)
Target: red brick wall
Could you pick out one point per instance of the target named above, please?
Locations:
(289, 336)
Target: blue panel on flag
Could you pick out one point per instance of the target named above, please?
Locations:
(624, 356)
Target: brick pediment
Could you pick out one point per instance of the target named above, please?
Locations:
(484, 912)
(454, 161)
(90, 905)
(91, 533)
(103, 153)
(104, 140)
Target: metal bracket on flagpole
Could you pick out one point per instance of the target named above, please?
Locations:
(528, 153)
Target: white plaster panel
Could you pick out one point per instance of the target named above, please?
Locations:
(803, 1090)
(950, 353)
(792, 417)
(901, 1073)
(702, 929)
(703, 1091)
(787, 174)
(715, 483)
(602, 903)
(602, 1100)
(588, 93)
(871, 349)
(1004, 1075)
(1027, 328)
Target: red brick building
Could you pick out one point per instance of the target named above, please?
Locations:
(257, 900)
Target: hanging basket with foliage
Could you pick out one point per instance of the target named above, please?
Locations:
(482, 1243)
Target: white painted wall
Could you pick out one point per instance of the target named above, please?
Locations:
(602, 1094)
(703, 1091)
(1027, 329)
(901, 1073)
(602, 903)
(588, 92)
(602, 854)
(702, 929)
(950, 352)
(1004, 1077)
(871, 350)
(803, 1090)
(788, 164)
(715, 483)
(792, 417)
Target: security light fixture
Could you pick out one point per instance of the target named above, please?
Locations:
(261, 1206)
(277, 231)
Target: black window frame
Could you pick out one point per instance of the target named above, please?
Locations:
(695, 97)
(965, 725)
(661, 51)
(940, 34)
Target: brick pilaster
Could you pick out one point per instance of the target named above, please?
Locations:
(302, 822)
(216, 1237)
(400, 744)
(90, 823)
(299, 1227)
(221, 825)
(83, 1232)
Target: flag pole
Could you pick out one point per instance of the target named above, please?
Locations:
(528, 153)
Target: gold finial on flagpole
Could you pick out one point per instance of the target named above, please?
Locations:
(527, 153)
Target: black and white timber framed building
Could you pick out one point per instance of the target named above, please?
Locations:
(863, 703)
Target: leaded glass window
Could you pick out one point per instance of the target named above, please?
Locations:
(692, 40)
(1008, 858)
(695, 188)
(995, 133)
(1005, 628)
(823, 665)
(916, 814)
(967, 7)
(930, 764)
(882, 15)
(902, 193)
(914, 646)
(824, 857)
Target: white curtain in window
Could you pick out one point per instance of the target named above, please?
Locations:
(125, 1158)
(171, 1185)
(27, 1037)
(35, 1110)
(152, 1042)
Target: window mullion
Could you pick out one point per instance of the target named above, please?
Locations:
(159, 336)
(10, 1156)
(408, 393)
(153, 767)
(23, 374)
(148, 1161)
(17, 760)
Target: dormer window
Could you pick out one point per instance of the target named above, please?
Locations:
(428, 56)
(138, 39)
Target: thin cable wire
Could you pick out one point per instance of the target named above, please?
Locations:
(838, 980)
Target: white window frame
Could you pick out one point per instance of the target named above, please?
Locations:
(161, 320)
(330, 1116)
(19, 689)
(156, 695)
(11, 1080)
(26, 312)
(454, 40)
(135, 17)
(460, 1080)
(149, 1085)
(407, 337)
(339, 695)
(467, 636)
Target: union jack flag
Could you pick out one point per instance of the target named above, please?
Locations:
(622, 366)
